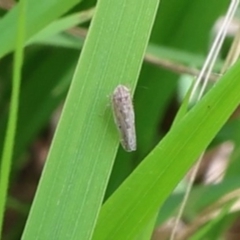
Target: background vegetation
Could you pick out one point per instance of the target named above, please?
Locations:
(84, 165)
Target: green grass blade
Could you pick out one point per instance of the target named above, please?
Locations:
(38, 15)
(62, 25)
(13, 111)
(147, 233)
(149, 185)
(148, 229)
(83, 150)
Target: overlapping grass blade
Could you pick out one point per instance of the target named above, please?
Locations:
(148, 186)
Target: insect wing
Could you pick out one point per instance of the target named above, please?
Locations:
(124, 117)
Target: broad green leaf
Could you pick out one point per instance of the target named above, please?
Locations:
(72, 186)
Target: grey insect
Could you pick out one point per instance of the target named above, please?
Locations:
(124, 117)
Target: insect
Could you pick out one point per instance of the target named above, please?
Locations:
(124, 117)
